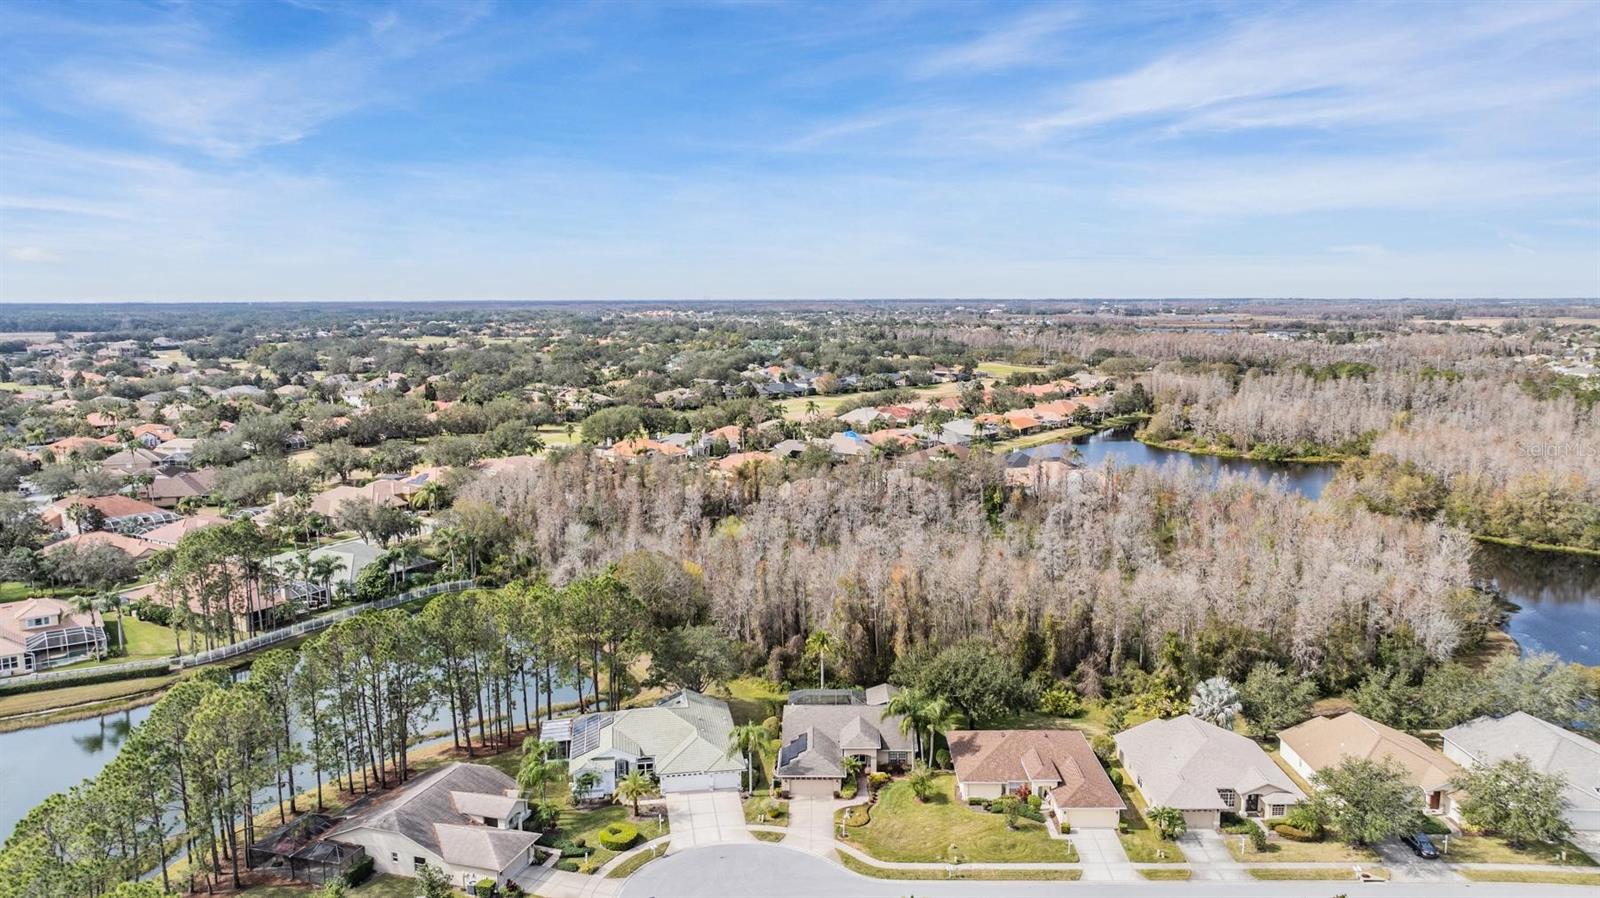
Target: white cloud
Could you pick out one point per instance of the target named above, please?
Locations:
(32, 255)
(1024, 40)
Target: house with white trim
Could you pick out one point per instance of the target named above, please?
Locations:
(681, 741)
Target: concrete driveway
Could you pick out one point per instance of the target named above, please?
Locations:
(811, 825)
(1100, 852)
(700, 819)
(1209, 856)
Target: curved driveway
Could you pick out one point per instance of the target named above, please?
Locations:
(773, 871)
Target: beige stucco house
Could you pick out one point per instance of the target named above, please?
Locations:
(1203, 770)
(1324, 742)
(1057, 765)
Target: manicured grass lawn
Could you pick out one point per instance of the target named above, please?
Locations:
(770, 837)
(1168, 875)
(1140, 842)
(904, 829)
(1554, 877)
(630, 866)
(144, 640)
(1319, 873)
(30, 702)
(752, 807)
(1003, 370)
(1284, 851)
(865, 869)
(586, 823)
(556, 435)
(1040, 439)
(1465, 849)
(752, 699)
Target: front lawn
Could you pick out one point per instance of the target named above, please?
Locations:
(904, 829)
(856, 864)
(1284, 851)
(586, 823)
(1314, 873)
(1464, 849)
(631, 866)
(1140, 842)
(753, 810)
(1553, 877)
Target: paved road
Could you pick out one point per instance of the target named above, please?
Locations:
(700, 819)
(775, 871)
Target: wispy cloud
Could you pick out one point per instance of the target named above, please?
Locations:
(1026, 40)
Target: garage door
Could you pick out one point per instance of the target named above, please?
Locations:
(804, 788)
(1092, 818)
(1202, 819)
(701, 782)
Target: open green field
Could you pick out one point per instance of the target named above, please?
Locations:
(904, 829)
(1003, 370)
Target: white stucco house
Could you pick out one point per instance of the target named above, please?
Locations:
(1202, 770)
(465, 819)
(1550, 748)
(682, 741)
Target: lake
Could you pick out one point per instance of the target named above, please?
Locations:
(37, 763)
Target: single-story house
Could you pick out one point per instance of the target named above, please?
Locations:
(122, 514)
(168, 535)
(861, 417)
(131, 546)
(167, 492)
(385, 493)
(823, 726)
(465, 819)
(132, 462)
(1323, 742)
(681, 740)
(38, 633)
(1057, 765)
(1550, 748)
(352, 556)
(1202, 770)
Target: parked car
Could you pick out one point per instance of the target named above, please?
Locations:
(1421, 845)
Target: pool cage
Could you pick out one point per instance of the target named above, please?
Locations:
(297, 851)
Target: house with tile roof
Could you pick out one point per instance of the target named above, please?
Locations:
(132, 546)
(123, 514)
(1324, 742)
(821, 727)
(1202, 770)
(40, 633)
(1549, 748)
(681, 740)
(1057, 765)
(167, 535)
(465, 819)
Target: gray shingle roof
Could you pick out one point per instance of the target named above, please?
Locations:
(1182, 762)
(831, 731)
(1550, 748)
(685, 733)
(428, 811)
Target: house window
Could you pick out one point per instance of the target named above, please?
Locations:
(417, 863)
(1229, 797)
(646, 765)
(394, 857)
(35, 622)
(491, 821)
(899, 757)
(8, 663)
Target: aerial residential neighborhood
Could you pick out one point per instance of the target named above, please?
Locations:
(941, 448)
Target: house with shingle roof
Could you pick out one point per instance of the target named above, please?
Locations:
(1057, 765)
(1549, 748)
(1322, 742)
(465, 819)
(681, 740)
(821, 727)
(1202, 770)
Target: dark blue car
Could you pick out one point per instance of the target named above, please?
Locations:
(1421, 844)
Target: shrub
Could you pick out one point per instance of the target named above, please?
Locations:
(1258, 838)
(979, 802)
(590, 865)
(1060, 701)
(360, 872)
(848, 789)
(513, 890)
(1293, 833)
(484, 888)
(941, 759)
(619, 836)
(1105, 748)
(567, 865)
(1065, 827)
(1034, 801)
(878, 780)
(1115, 774)
(1167, 822)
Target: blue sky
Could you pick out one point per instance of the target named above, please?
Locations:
(318, 149)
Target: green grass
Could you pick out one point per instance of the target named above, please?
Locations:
(904, 829)
(1167, 875)
(856, 864)
(1003, 370)
(752, 812)
(1285, 851)
(586, 823)
(1552, 877)
(1464, 849)
(631, 866)
(1314, 873)
(16, 591)
(144, 640)
(1140, 842)
(765, 836)
(752, 699)
(44, 700)
(1042, 438)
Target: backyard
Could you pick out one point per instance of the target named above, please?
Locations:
(904, 829)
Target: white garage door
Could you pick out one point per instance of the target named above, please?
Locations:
(700, 782)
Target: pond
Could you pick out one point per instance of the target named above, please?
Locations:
(1121, 448)
(1558, 599)
(37, 763)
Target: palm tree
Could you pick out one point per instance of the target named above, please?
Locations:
(429, 496)
(633, 787)
(940, 717)
(749, 739)
(820, 644)
(911, 705)
(538, 768)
